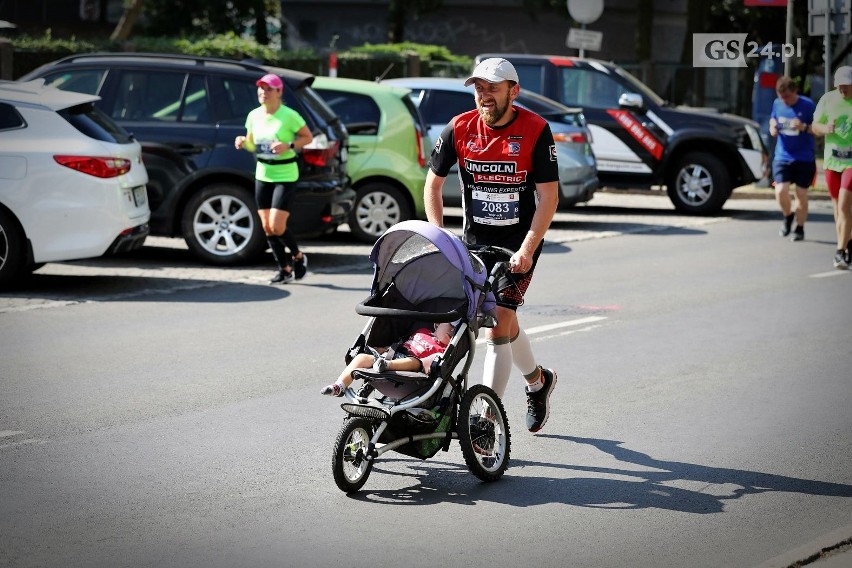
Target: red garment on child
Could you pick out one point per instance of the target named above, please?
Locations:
(423, 345)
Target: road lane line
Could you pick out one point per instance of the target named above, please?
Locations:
(553, 326)
(827, 274)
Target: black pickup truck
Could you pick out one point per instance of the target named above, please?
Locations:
(641, 141)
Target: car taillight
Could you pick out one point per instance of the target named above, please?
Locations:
(95, 166)
(575, 137)
(421, 157)
(320, 151)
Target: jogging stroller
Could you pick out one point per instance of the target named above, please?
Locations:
(423, 275)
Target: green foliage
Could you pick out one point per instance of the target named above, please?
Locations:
(425, 51)
(48, 43)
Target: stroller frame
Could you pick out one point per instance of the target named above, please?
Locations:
(419, 414)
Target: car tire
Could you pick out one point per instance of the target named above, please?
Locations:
(699, 184)
(378, 206)
(220, 225)
(12, 250)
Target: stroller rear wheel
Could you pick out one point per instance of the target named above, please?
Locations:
(483, 431)
(349, 463)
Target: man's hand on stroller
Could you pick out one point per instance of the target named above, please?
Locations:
(520, 262)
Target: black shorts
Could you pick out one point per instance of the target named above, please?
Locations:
(797, 172)
(274, 194)
(509, 290)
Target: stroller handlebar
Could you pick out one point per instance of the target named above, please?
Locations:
(377, 311)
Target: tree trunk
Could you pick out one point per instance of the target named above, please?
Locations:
(261, 34)
(128, 19)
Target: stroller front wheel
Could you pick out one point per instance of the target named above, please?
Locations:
(483, 431)
(349, 463)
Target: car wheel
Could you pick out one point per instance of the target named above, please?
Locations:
(699, 184)
(221, 226)
(378, 206)
(12, 250)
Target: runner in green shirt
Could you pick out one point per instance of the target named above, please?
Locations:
(833, 119)
(275, 132)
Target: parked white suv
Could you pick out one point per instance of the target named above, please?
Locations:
(72, 182)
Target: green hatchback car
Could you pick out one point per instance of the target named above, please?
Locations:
(387, 159)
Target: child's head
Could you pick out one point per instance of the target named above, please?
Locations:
(444, 332)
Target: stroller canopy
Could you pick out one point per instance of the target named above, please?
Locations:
(427, 262)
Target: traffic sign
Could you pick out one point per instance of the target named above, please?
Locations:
(584, 39)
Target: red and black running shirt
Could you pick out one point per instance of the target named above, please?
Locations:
(498, 169)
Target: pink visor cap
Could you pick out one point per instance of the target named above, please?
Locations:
(271, 80)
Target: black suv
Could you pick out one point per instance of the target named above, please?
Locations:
(186, 112)
(640, 140)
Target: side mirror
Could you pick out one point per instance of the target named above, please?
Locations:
(632, 100)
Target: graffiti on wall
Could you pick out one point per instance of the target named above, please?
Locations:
(454, 33)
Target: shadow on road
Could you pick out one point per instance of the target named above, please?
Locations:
(645, 482)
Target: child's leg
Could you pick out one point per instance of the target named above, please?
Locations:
(405, 364)
(360, 361)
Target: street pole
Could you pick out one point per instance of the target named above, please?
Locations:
(789, 36)
(827, 44)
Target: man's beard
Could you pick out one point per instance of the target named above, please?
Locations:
(494, 116)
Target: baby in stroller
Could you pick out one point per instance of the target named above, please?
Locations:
(415, 354)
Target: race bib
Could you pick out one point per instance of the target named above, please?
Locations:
(495, 208)
(263, 149)
(842, 153)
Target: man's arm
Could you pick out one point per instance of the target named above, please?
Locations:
(548, 201)
(433, 198)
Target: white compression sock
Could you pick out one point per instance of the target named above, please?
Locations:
(498, 364)
(522, 355)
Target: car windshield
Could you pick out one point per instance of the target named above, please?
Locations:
(641, 87)
(550, 109)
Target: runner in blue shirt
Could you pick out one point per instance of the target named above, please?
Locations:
(790, 120)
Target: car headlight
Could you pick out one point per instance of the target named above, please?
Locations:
(754, 137)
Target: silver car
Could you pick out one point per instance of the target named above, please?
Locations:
(440, 99)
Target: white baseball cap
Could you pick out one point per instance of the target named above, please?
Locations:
(493, 70)
(843, 76)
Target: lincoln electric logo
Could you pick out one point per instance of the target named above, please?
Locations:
(495, 172)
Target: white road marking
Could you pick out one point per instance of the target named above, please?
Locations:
(834, 272)
(553, 326)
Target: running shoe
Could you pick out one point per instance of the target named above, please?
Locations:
(840, 260)
(538, 403)
(282, 277)
(798, 234)
(334, 389)
(300, 266)
(482, 435)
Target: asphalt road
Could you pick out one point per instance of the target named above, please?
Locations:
(156, 412)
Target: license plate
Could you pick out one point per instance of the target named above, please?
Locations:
(140, 196)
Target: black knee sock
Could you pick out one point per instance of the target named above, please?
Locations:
(288, 239)
(279, 251)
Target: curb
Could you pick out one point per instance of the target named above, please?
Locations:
(744, 192)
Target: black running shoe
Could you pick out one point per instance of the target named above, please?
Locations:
(840, 260)
(788, 224)
(538, 403)
(300, 266)
(849, 253)
(798, 234)
(282, 277)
